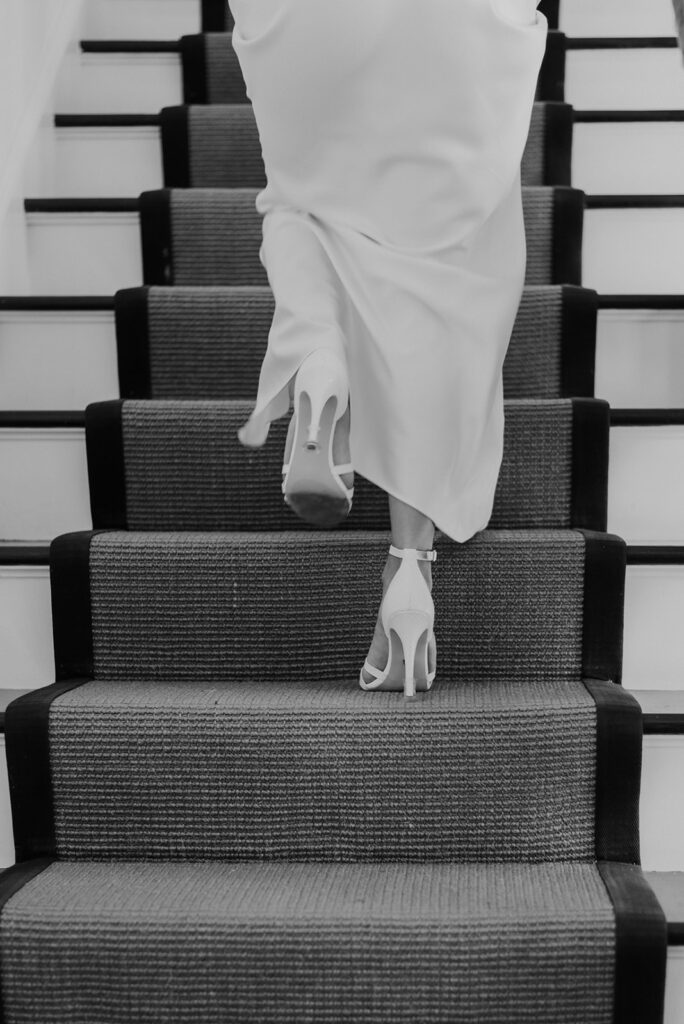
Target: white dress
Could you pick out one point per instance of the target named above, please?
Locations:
(392, 134)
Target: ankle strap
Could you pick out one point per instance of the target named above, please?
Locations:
(423, 556)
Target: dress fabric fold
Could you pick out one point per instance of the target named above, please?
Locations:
(392, 136)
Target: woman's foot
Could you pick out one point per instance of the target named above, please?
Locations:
(379, 649)
(340, 445)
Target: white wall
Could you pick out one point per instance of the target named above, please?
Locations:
(34, 36)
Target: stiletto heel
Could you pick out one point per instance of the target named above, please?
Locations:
(312, 484)
(407, 614)
(411, 627)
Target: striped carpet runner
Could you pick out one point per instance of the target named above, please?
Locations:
(213, 822)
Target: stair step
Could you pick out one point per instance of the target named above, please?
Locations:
(233, 941)
(627, 152)
(528, 794)
(42, 456)
(178, 465)
(57, 355)
(139, 76)
(634, 17)
(67, 360)
(622, 73)
(121, 155)
(661, 823)
(613, 152)
(117, 155)
(141, 19)
(83, 247)
(93, 246)
(25, 618)
(44, 469)
(218, 146)
(545, 584)
(209, 343)
(640, 351)
(133, 77)
(646, 485)
(653, 645)
(630, 244)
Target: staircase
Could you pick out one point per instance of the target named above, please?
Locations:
(210, 820)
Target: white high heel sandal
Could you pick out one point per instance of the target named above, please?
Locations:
(312, 484)
(407, 614)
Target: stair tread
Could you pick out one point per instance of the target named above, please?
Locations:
(292, 942)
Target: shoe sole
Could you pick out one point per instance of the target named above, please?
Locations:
(312, 492)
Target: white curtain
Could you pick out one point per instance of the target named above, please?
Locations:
(679, 13)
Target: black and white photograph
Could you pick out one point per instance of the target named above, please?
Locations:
(342, 512)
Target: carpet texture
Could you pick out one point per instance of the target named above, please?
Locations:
(184, 468)
(505, 944)
(208, 342)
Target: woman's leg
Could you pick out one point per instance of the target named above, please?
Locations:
(410, 529)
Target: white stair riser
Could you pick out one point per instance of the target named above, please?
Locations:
(633, 249)
(46, 486)
(112, 161)
(638, 78)
(646, 484)
(640, 358)
(141, 19)
(57, 360)
(674, 986)
(83, 254)
(617, 17)
(653, 647)
(119, 83)
(661, 817)
(637, 157)
(45, 483)
(612, 158)
(653, 636)
(25, 628)
(63, 360)
(624, 250)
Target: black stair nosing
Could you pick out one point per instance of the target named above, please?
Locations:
(571, 43)
(38, 419)
(632, 200)
(129, 46)
(6, 697)
(106, 120)
(641, 300)
(621, 42)
(663, 723)
(57, 418)
(100, 204)
(589, 116)
(85, 303)
(646, 417)
(655, 554)
(663, 716)
(125, 204)
(30, 553)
